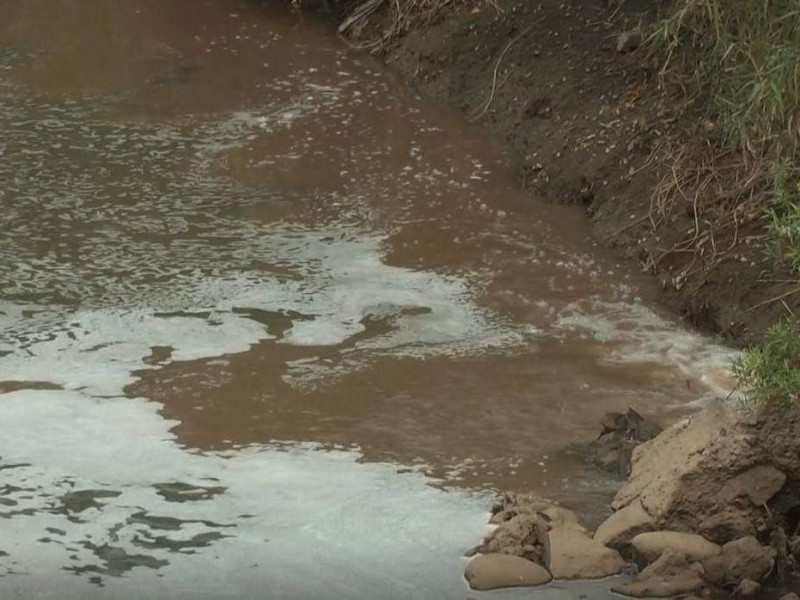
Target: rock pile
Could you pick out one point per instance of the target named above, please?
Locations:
(679, 563)
(711, 502)
(695, 507)
(711, 474)
(536, 541)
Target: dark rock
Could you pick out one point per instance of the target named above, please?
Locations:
(586, 193)
(628, 41)
(522, 523)
(630, 425)
(519, 536)
(539, 107)
(511, 504)
(621, 433)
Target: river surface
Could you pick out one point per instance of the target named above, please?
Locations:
(272, 327)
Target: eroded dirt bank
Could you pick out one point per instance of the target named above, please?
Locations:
(710, 508)
(712, 501)
(593, 125)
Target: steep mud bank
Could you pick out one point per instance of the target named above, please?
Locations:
(585, 109)
(568, 85)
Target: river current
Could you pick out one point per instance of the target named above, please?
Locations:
(271, 326)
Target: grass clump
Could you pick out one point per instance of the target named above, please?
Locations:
(770, 373)
(784, 218)
(742, 57)
(745, 54)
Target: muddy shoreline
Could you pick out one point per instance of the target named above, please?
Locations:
(569, 87)
(273, 320)
(562, 84)
(709, 510)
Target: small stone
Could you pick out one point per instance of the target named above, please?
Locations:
(620, 528)
(729, 524)
(557, 517)
(493, 571)
(670, 575)
(621, 434)
(628, 41)
(748, 558)
(512, 536)
(748, 588)
(572, 554)
(790, 596)
(653, 544)
(759, 484)
(743, 559)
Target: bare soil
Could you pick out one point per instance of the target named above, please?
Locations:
(592, 126)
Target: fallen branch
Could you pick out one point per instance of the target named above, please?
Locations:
(362, 11)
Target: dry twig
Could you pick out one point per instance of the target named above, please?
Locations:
(490, 97)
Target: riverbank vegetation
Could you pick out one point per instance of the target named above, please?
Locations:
(741, 58)
(722, 228)
(399, 17)
(770, 372)
(684, 154)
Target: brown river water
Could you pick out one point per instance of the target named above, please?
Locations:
(272, 327)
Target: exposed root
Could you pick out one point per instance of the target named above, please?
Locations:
(491, 95)
(363, 11)
(721, 193)
(401, 17)
(779, 298)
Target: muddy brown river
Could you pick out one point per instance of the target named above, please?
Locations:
(272, 327)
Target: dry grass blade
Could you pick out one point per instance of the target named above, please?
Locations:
(746, 55)
(493, 90)
(781, 297)
(361, 12)
(399, 17)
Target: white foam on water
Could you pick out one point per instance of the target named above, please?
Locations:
(636, 334)
(289, 521)
(96, 351)
(297, 522)
(341, 283)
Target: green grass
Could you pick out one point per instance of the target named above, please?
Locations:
(784, 217)
(769, 374)
(746, 56)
